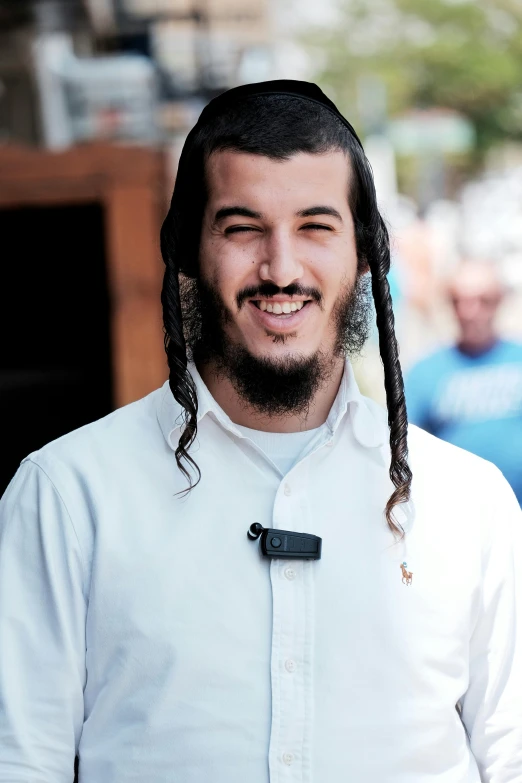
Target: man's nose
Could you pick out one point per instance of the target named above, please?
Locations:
(281, 263)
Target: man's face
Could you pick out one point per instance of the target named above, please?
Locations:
(476, 295)
(278, 249)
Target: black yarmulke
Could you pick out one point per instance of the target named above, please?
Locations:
(291, 87)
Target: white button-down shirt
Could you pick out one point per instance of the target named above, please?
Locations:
(144, 629)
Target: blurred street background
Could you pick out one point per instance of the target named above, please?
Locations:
(96, 99)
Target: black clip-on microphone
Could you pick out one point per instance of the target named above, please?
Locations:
(285, 543)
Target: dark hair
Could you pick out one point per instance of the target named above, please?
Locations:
(279, 126)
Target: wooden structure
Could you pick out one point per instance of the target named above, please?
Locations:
(130, 185)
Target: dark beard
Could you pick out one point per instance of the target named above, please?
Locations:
(273, 387)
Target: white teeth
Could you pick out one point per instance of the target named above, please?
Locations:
(278, 308)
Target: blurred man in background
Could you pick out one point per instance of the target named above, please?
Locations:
(470, 394)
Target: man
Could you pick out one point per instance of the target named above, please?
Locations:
(144, 629)
(470, 394)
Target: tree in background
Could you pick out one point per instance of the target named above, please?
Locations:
(460, 54)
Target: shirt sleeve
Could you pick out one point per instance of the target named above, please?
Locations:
(42, 632)
(492, 706)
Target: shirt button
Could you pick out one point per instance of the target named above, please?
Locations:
(330, 443)
(287, 490)
(288, 758)
(290, 665)
(290, 573)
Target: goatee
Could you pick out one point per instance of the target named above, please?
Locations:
(271, 386)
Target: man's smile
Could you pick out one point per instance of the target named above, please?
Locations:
(280, 305)
(280, 314)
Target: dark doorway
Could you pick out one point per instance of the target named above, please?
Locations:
(55, 359)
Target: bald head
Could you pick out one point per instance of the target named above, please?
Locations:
(475, 291)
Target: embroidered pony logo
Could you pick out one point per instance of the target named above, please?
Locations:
(407, 576)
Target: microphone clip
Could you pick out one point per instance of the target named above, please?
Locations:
(286, 544)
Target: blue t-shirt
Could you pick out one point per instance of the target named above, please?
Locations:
(474, 402)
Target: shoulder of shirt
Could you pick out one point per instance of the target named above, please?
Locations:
(442, 464)
(469, 492)
(119, 433)
(431, 454)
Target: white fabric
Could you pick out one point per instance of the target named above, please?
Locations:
(282, 448)
(144, 628)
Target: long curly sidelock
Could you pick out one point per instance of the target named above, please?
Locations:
(373, 246)
(180, 380)
(400, 472)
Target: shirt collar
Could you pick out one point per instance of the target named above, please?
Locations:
(368, 419)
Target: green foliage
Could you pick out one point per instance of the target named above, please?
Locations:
(461, 54)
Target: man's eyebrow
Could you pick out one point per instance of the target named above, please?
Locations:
(320, 210)
(225, 212)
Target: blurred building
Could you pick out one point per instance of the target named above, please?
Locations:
(204, 45)
(135, 70)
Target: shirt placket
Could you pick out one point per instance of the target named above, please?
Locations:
(292, 650)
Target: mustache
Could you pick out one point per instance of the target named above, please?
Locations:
(270, 289)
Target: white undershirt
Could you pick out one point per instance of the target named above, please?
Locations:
(282, 448)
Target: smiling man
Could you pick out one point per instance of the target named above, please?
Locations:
(235, 579)
(280, 297)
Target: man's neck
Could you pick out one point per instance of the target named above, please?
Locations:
(238, 410)
(477, 348)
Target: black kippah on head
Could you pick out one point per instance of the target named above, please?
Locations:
(289, 87)
(241, 120)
